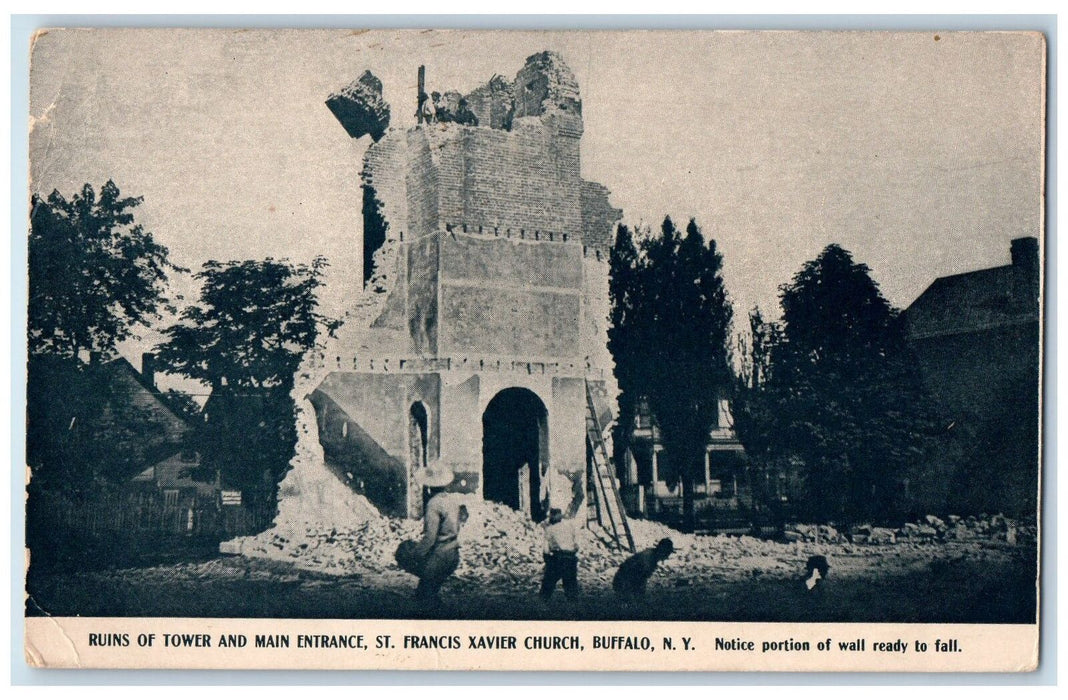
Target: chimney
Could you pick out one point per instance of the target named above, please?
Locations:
(148, 369)
(1025, 253)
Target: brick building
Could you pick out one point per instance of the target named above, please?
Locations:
(493, 250)
(977, 338)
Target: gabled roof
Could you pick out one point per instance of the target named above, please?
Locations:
(122, 367)
(176, 472)
(974, 301)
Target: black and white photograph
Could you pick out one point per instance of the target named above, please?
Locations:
(552, 327)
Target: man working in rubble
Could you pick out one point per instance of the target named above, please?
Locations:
(561, 556)
(629, 582)
(439, 550)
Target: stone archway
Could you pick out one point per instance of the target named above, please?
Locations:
(515, 451)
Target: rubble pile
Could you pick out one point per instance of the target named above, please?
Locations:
(930, 529)
(499, 545)
(983, 527)
(800, 532)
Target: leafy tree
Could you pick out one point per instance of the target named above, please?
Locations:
(245, 338)
(251, 326)
(671, 320)
(838, 392)
(94, 274)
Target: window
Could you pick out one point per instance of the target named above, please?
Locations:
(170, 498)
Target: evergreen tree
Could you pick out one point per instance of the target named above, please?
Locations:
(623, 343)
(671, 320)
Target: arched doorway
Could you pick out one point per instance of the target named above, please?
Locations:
(515, 451)
(418, 425)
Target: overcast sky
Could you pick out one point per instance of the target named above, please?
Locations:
(921, 154)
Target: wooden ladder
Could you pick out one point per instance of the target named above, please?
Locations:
(608, 512)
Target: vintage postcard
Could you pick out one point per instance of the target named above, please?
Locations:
(534, 350)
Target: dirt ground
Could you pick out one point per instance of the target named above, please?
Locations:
(976, 582)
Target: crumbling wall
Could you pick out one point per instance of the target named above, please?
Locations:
(359, 107)
(421, 184)
(599, 217)
(422, 304)
(593, 334)
(493, 103)
(362, 425)
(525, 180)
(546, 83)
(509, 322)
(385, 205)
(510, 297)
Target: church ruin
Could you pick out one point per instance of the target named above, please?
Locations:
(490, 260)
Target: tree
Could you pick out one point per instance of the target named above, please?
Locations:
(251, 326)
(755, 410)
(838, 393)
(624, 341)
(245, 338)
(671, 321)
(94, 274)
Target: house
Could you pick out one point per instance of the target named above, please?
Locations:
(133, 399)
(977, 339)
(175, 492)
(721, 497)
(103, 419)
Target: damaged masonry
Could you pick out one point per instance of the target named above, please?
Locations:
(487, 253)
(481, 323)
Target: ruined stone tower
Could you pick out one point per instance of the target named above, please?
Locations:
(491, 269)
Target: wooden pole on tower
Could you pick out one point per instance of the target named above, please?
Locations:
(421, 95)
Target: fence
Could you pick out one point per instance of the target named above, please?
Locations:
(125, 514)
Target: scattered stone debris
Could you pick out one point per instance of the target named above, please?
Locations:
(930, 529)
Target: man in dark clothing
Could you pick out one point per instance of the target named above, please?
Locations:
(815, 571)
(630, 580)
(561, 556)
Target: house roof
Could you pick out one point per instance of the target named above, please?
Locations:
(122, 367)
(176, 473)
(974, 301)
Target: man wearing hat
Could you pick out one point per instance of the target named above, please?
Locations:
(561, 556)
(438, 550)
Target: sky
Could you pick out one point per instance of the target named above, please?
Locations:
(921, 153)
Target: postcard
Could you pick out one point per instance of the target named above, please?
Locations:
(502, 350)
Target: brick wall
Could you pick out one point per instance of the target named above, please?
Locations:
(421, 183)
(522, 179)
(422, 306)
